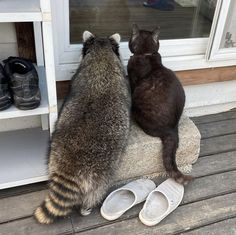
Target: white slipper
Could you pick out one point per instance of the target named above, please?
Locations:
(122, 199)
(161, 202)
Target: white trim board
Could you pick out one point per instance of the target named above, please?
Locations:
(65, 72)
(210, 94)
(20, 11)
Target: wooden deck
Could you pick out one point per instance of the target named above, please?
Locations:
(208, 207)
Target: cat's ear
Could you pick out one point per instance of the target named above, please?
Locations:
(155, 34)
(87, 35)
(135, 31)
(116, 37)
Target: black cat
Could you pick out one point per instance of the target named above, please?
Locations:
(157, 96)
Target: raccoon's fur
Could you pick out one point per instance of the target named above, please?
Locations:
(91, 132)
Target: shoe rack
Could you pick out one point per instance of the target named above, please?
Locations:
(23, 152)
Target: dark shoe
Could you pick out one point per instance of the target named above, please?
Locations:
(164, 5)
(5, 96)
(24, 82)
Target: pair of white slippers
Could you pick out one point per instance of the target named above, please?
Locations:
(160, 201)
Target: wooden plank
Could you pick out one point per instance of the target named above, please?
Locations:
(213, 186)
(25, 40)
(184, 218)
(10, 192)
(218, 144)
(224, 227)
(202, 76)
(62, 89)
(20, 206)
(215, 117)
(214, 164)
(205, 166)
(29, 226)
(82, 223)
(213, 129)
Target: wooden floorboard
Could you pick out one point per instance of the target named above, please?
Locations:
(222, 182)
(28, 226)
(214, 164)
(187, 217)
(220, 144)
(209, 201)
(215, 117)
(219, 128)
(22, 190)
(20, 206)
(210, 186)
(193, 192)
(225, 227)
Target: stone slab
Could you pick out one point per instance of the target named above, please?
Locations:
(143, 156)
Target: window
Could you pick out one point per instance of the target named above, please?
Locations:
(185, 29)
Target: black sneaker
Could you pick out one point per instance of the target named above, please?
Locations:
(24, 82)
(5, 96)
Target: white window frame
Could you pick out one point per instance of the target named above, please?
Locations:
(216, 53)
(177, 54)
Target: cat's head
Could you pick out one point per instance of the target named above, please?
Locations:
(93, 43)
(143, 41)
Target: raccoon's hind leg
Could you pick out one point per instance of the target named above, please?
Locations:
(63, 195)
(92, 198)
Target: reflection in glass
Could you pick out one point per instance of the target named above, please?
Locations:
(177, 18)
(229, 35)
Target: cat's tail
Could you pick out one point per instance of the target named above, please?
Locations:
(63, 195)
(170, 144)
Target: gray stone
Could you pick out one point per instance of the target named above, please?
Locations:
(143, 156)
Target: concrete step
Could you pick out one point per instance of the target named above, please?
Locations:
(143, 156)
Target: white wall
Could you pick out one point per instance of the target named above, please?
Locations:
(8, 42)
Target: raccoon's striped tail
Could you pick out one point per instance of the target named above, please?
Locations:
(63, 195)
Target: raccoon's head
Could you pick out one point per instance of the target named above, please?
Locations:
(143, 41)
(93, 43)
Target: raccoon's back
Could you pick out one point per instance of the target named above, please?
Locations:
(93, 126)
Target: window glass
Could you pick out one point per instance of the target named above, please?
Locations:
(177, 18)
(229, 36)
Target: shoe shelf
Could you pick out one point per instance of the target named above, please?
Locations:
(14, 112)
(20, 11)
(23, 152)
(23, 157)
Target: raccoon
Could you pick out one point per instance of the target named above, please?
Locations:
(91, 132)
